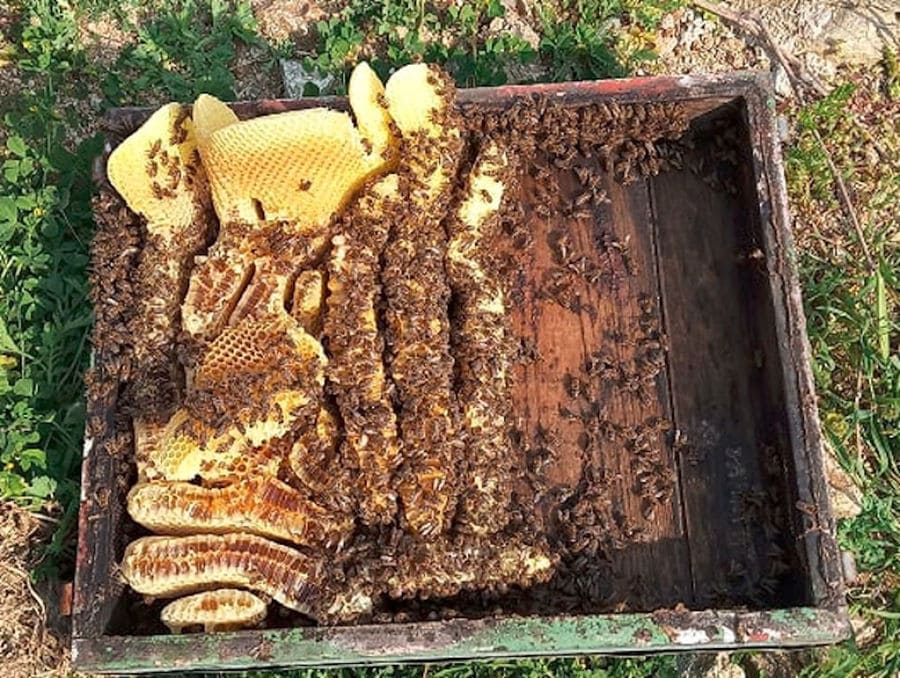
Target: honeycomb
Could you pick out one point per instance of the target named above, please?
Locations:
(354, 336)
(417, 292)
(174, 566)
(299, 166)
(315, 464)
(218, 610)
(157, 172)
(210, 115)
(331, 437)
(253, 347)
(481, 330)
(308, 301)
(440, 570)
(263, 506)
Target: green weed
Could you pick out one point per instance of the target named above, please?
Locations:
(181, 53)
(391, 33)
(581, 39)
(594, 39)
(853, 330)
(664, 666)
(45, 228)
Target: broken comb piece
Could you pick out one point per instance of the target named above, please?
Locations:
(219, 610)
(156, 170)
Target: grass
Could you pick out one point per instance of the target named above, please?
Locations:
(585, 667)
(851, 308)
(179, 49)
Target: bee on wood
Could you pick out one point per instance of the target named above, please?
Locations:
(583, 199)
(591, 411)
(573, 386)
(584, 174)
(542, 210)
(561, 245)
(581, 214)
(565, 159)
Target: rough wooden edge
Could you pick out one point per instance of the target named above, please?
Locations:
(823, 557)
(464, 640)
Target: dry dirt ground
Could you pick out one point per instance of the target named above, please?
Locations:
(827, 38)
(28, 646)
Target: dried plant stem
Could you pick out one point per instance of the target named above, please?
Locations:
(846, 202)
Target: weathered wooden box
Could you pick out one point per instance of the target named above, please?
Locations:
(740, 553)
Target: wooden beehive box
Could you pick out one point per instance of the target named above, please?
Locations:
(688, 349)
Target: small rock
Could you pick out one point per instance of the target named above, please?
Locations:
(820, 66)
(707, 665)
(723, 668)
(783, 87)
(859, 37)
(784, 129)
(848, 567)
(295, 78)
(872, 157)
(513, 22)
(517, 72)
(281, 20)
(846, 497)
(864, 631)
(780, 664)
(665, 45)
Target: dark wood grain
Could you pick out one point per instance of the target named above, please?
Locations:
(608, 324)
(716, 362)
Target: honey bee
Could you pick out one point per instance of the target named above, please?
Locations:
(581, 214)
(305, 185)
(174, 177)
(179, 134)
(154, 149)
(542, 210)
